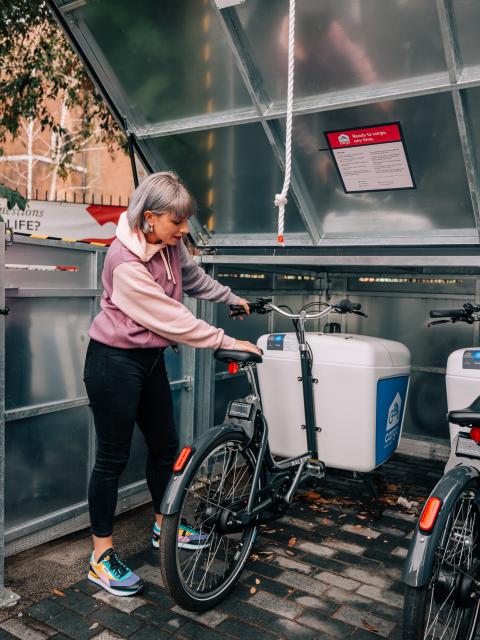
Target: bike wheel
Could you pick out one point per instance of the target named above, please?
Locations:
(445, 607)
(199, 578)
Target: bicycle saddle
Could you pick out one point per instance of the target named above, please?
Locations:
(469, 417)
(232, 355)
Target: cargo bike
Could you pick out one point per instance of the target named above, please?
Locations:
(228, 481)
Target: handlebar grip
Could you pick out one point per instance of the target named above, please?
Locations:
(345, 306)
(448, 313)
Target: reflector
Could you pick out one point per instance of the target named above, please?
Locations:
(429, 514)
(233, 367)
(182, 459)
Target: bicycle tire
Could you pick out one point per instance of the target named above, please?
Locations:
(453, 561)
(170, 554)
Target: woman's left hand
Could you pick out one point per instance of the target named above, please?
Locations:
(243, 303)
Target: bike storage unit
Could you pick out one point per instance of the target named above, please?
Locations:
(383, 211)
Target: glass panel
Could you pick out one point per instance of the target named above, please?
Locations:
(405, 319)
(426, 410)
(46, 342)
(234, 176)
(135, 469)
(467, 22)
(39, 476)
(441, 199)
(169, 59)
(343, 45)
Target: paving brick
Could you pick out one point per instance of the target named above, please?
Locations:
(244, 631)
(73, 625)
(305, 583)
(362, 619)
(400, 552)
(85, 586)
(287, 563)
(391, 531)
(294, 631)
(4, 635)
(107, 635)
(264, 568)
(319, 604)
(37, 625)
(388, 597)
(44, 610)
(330, 626)
(367, 577)
(276, 605)
(359, 530)
(349, 547)
(19, 629)
(124, 604)
(277, 587)
(157, 595)
(194, 631)
(153, 615)
(151, 574)
(297, 522)
(348, 597)
(337, 581)
(210, 618)
(78, 602)
(316, 549)
(117, 621)
(150, 633)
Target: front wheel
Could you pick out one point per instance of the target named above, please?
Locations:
(202, 568)
(448, 606)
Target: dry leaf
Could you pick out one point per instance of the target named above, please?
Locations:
(57, 592)
(254, 557)
(292, 542)
(361, 517)
(94, 626)
(257, 581)
(269, 531)
(253, 589)
(344, 515)
(289, 553)
(369, 626)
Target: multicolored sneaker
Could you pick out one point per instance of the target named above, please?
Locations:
(113, 575)
(188, 537)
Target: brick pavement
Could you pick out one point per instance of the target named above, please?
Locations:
(341, 578)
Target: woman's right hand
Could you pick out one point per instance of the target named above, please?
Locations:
(245, 345)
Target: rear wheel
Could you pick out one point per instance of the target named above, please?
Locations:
(448, 607)
(198, 578)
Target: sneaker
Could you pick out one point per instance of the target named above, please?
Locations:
(114, 575)
(188, 537)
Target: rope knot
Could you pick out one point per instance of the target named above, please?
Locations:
(280, 200)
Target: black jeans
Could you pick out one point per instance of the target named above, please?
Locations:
(124, 386)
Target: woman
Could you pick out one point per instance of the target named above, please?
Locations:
(146, 270)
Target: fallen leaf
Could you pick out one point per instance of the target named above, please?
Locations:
(289, 553)
(269, 531)
(253, 589)
(369, 626)
(94, 626)
(361, 517)
(257, 581)
(292, 542)
(57, 592)
(254, 557)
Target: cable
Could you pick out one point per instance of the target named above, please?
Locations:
(281, 198)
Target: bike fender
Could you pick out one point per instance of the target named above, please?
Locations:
(418, 565)
(173, 494)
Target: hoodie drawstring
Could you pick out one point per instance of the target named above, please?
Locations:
(168, 266)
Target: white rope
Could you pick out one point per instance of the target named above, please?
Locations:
(281, 198)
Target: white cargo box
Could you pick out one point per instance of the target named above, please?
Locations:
(359, 398)
(463, 381)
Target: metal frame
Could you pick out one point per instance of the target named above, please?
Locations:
(263, 111)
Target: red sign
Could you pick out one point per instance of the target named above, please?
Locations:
(367, 135)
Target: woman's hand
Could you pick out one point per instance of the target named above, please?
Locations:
(245, 345)
(242, 303)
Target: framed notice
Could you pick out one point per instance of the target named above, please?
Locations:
(371, 158)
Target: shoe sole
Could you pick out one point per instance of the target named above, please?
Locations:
(96, 580)
(183, 545)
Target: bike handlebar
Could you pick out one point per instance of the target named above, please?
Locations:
(265, 305)
(467, 314)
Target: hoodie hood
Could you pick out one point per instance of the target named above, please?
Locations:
(135, 240)
(136, 243)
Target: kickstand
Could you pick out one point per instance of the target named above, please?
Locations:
(371, 498)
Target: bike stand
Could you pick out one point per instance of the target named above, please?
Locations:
(371, 499)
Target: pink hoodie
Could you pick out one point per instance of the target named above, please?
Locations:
(143, 290)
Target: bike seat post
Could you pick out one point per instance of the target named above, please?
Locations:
(252, 381)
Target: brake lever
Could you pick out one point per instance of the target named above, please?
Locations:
(360, 313)
(430, 324)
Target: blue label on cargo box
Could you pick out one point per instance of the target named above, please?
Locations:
(391, 396)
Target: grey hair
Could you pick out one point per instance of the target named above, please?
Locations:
(161, 192)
